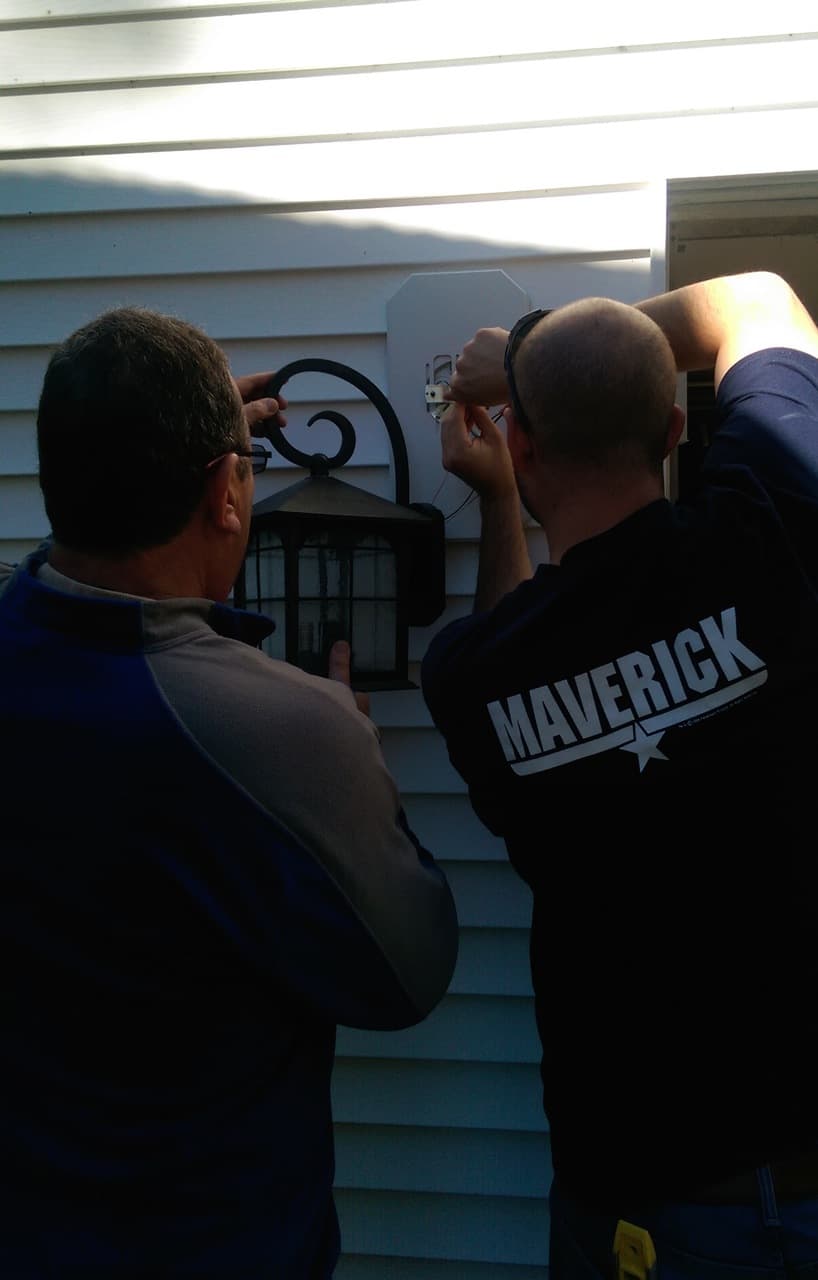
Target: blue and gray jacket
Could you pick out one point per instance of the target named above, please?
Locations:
(205, 867)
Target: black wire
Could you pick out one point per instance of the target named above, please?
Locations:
(472, 494)
(470, 497)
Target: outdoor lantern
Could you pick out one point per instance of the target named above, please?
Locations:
(327, 560)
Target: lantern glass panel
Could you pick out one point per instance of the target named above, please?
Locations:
(374, 635)
(324, 571)
(347, 591)
(375, 570)
(264, 585)
(320, 624)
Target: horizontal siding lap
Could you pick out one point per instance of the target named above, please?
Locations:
(18, 444)
(282, 43)
(211, 242)
(456, 1161)
(22, 514)
(463, 523)
(461, 1029)
(357, 1267)
(56, 12)
(492, 961)
(462, 559)
(461, 567)
(461, 511)
(474, 1228)
(361, 352)
(418, 760)
(448, 821)
(488, 894)
(552, 285)
(22, 368)
(471, 1095)
(268, 304)
(400, 709)
(400, 169)
(445, 99)
(21, 377)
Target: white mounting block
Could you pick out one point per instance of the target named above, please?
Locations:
(428, 321)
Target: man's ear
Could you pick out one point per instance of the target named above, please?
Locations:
(520, 443)
(675, 427)
(221, 494)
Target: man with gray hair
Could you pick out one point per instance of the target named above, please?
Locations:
(205, 866)
(635, 719)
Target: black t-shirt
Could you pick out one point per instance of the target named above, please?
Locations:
(639, 724)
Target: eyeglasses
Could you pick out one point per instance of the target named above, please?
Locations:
(259, 455)
(523, 326)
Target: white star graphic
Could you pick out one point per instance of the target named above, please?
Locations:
(645, 746)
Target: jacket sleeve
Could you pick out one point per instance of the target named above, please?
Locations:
(359, 920)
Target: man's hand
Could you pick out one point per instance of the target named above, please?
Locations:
(257, 406)
(339, 664)
(480, 376)
(474, 448)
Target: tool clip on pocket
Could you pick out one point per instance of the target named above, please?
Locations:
(634, 1254)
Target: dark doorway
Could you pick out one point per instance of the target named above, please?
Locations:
(720, 226)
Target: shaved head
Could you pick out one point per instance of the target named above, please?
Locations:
(597, 382)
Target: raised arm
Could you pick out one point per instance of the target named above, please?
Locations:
(714, 323)
(474, 448)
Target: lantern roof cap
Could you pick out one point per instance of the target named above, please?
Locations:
(324, 497)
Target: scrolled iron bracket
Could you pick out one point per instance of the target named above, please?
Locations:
(319, 463)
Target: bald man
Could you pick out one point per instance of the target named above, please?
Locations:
(636, 720)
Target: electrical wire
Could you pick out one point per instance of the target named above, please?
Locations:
(472, 494)
(467, 501)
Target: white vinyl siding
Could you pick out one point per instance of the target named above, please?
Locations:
(275, 173)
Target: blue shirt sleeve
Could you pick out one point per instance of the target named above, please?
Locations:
(767, 408)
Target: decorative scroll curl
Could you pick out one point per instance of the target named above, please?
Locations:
(319, 463)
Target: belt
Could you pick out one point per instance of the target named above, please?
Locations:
(794, 1178)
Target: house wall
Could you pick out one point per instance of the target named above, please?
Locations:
(276, 173)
